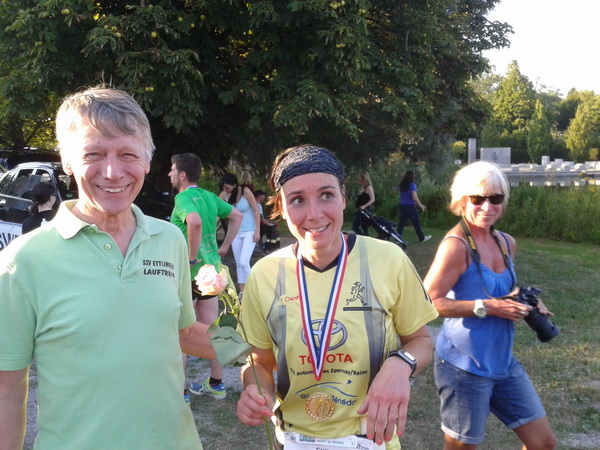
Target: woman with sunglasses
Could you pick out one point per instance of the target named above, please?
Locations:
(471, 283)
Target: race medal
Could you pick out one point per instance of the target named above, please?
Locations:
(318, 350)
(319, 406)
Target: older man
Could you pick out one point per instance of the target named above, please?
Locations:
(100, 299)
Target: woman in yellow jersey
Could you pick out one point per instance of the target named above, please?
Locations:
(340, 318)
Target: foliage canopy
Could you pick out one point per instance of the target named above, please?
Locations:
(246, 78)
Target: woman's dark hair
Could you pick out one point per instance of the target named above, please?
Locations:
(407, 180)
(232, 180)
(40, 194)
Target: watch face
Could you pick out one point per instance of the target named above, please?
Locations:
(480, 312)
(409, 356)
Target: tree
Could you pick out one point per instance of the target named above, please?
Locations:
(583, 133)
(247, 78)
(513, 105)
(567, 109)
(539, 137)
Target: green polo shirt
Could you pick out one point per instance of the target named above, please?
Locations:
(209, 207)
(103, 332)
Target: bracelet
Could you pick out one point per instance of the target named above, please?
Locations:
(193, 262)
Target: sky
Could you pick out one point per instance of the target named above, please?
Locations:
(555, 42)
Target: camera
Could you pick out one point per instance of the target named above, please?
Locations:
(540, 323)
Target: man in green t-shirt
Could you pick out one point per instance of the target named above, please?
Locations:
(99, 297)
(196, 212)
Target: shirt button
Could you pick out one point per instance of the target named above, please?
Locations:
(120, 268)
(107, 246)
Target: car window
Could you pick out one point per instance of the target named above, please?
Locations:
(67, 187)
(21, 184)
(5, 182)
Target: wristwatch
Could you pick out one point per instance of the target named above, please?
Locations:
(408, 359)
(479, 310)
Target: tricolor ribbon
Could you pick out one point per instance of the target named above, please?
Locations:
(318, 353)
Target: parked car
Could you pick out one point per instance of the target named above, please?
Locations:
(16, 185)
(12, 157)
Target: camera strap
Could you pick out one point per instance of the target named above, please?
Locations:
(464, 225)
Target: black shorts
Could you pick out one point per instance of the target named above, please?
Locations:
(196, 296)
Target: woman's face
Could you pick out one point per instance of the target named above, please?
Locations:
(228, 188)
(313, 206)
(484, 215)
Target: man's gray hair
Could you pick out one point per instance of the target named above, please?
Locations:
(111, 112)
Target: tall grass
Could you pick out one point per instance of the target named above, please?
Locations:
(561, 213)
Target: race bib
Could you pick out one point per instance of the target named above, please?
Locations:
(297, 441)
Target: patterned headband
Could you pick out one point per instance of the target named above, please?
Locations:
(306, 159)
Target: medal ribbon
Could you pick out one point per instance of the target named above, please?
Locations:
(319, 352)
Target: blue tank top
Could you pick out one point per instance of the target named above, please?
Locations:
(480, 346)
(248, 220)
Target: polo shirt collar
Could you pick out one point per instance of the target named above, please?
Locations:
(68, 224)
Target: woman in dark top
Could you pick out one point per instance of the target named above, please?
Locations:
(364, 200)
(44, 196)
(409, 200)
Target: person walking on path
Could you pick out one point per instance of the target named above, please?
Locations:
(409, 200)
(195, 214)
(364, 201)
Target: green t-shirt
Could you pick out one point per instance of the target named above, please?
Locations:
(103, 331)
(209, 207)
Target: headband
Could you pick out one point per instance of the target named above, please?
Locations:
(306, 159)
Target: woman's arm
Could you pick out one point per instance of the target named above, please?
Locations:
(415, 198)
(386, 404)
(253, 408)
(449, 263)
(371, 193)
(252, 201)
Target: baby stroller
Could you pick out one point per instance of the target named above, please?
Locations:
(385, 229)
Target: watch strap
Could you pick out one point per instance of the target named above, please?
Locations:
(408, 359)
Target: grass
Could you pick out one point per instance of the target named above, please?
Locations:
(565, 371)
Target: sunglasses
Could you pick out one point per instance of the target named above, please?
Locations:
(478, 200)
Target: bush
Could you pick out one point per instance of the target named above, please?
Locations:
(562, 213)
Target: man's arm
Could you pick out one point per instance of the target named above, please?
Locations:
(13, 408)
(235, 221)
(193, 223)
(195, 340)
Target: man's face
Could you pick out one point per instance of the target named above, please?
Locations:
(109, 171)
(175, 177)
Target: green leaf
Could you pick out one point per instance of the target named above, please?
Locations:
(230, 346)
